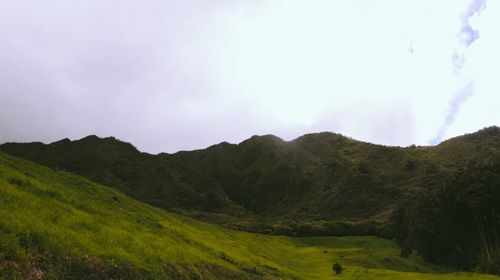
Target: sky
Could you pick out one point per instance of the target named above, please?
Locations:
(182, 75)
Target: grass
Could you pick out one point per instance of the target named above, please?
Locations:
(58, 225)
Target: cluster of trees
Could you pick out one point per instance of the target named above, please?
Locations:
(457, 224)
(315, 228)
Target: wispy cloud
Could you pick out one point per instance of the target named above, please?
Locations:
(468, 34)
(466, 37)
(453, 108)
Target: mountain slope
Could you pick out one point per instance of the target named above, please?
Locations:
(109, 161)
(308, 186)
(56, 225)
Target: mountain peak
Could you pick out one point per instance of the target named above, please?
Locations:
(266, 138)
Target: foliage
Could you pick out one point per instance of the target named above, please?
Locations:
(316, 177)
(55, 225)
(457, 224)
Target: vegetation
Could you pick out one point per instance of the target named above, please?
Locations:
(317, 177)
(456, 224)
(440, 201)
(55, 225)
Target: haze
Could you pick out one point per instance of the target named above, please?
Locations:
(181, 75)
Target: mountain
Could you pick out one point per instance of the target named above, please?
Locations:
(457, 222)
(57, 225)
(317, 184)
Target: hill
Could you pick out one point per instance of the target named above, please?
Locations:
(317, 184)
(56, 225)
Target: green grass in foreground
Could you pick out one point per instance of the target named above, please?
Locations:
(58, 225)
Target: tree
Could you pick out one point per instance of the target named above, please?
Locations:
(337, 268)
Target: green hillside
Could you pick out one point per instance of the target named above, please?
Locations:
(55, 225)
(317, 184)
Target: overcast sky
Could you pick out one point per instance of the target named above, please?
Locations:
(181, 75)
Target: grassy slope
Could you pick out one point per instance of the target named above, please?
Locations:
(55, 224)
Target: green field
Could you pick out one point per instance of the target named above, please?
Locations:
(57, 225)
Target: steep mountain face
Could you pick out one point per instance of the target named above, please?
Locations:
(315, 177)
(319, 176)
(457, 222)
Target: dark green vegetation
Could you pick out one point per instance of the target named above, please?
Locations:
(458, 222)
(318, 184)
(56, 225)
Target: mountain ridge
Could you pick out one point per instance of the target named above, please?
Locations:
(441, 201)
(264, 182)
